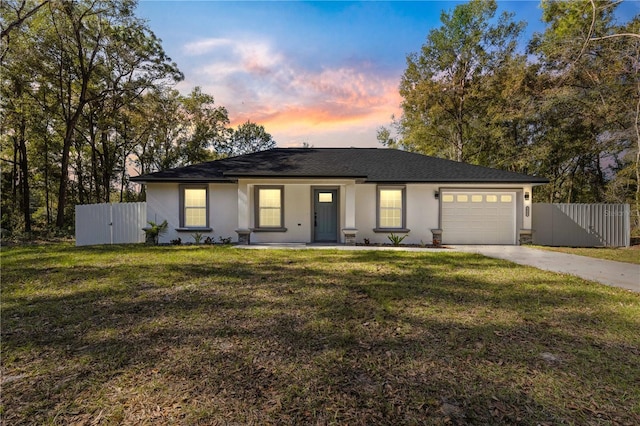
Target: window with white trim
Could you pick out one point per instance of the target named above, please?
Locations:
(194, 206)
(269, 206)
(391, 207)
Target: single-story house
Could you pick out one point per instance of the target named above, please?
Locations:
(342, 195)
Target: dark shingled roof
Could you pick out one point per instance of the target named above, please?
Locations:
(366, 164)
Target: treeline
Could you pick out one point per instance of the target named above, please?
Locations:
(87, 96)
(567, 108)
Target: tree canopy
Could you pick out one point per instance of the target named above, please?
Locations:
(86, 98)
(567, 108)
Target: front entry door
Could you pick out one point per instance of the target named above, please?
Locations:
(325, 215)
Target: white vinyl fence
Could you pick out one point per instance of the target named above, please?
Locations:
(119, 223)
(581, 225)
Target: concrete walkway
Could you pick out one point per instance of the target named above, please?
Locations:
(305, 246)
(616, 274)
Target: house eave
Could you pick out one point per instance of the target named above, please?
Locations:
(182, 180)
(359, 179)
(459, 181)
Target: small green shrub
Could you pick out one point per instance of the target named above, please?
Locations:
(154, 231)
(396, 239)
(197, 237)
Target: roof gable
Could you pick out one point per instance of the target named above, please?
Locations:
(368, 164)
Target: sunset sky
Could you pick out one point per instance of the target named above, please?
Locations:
(324, 73)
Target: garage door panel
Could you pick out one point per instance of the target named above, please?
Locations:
(478, 218)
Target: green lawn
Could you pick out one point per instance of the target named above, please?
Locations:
(218, 335)
(622, 254)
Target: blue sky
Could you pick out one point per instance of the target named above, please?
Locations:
(325, 73)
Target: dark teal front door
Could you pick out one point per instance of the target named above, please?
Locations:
(325, 215)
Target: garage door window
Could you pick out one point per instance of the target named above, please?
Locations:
(476, 198)
(505, 198)
(447, 198)
(492, 198)
(462, 198)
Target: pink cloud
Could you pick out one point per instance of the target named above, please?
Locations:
(257, 83)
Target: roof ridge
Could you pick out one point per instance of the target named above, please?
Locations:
(327, 148)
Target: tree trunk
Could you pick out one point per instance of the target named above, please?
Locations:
(80, 174)
(637, 128)
(64, 170)
(123, 175)
(46, 180)
(14, 172)
(94, 162)
(106, 166)
(24, 176)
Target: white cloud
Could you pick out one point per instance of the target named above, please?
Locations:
(256, 82)
(204, 46)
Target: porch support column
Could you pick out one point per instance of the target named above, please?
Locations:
(349, 229)
(243, 231)
(525, 236)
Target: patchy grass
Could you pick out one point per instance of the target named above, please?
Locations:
(217, 335)
(621, 254)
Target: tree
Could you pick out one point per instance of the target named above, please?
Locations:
(106, 128)
(73, 75)
(91, 59)
(157, 120)
(444, 106)
(247, 138)
(20, 111)
(586, 108)
(14, 14)
(178, 130)
(205, 127)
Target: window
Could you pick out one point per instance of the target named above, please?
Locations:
(391, 207)
(476, 198)
(492, 198)
(269, 207)
(325, 197)
(505, 198)
(194, 202)
(462, 198)
(447, 198)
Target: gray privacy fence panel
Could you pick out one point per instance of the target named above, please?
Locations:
(581, 225)
(119, 223)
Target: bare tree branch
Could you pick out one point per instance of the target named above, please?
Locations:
(615, 35)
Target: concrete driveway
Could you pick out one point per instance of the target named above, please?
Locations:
(616, 274)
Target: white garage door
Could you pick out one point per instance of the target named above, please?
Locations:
(478, 217)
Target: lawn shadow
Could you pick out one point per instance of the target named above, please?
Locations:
(327, 337)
